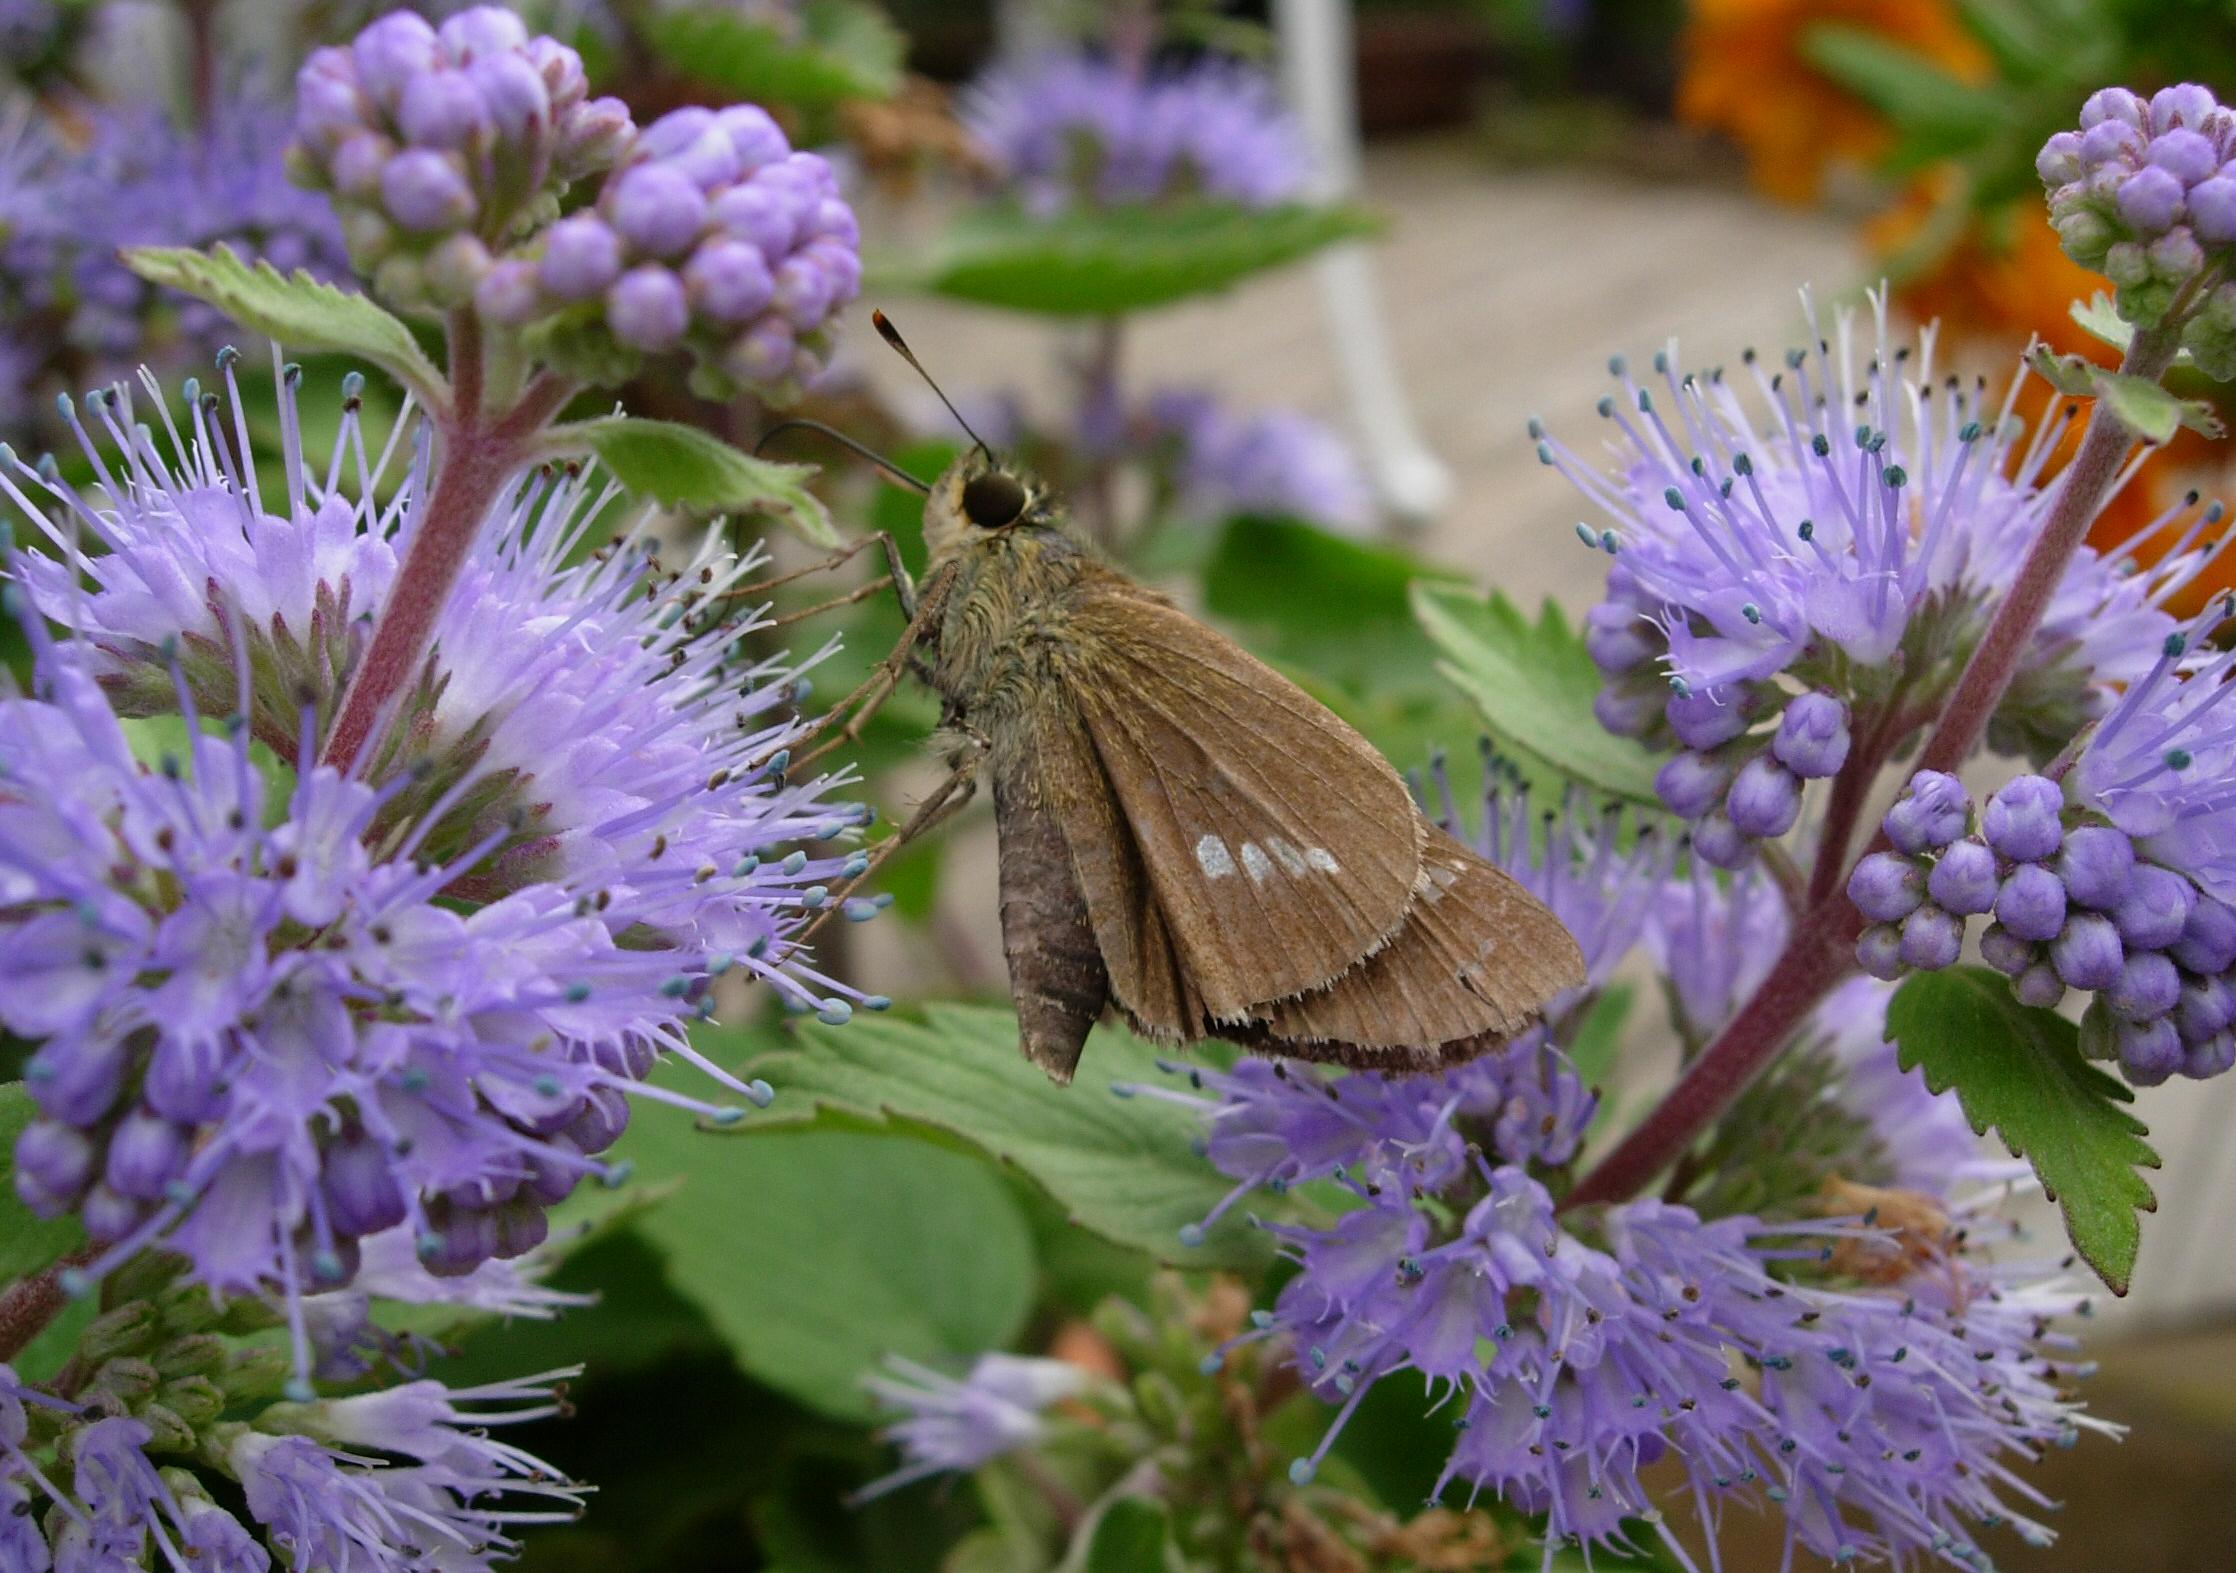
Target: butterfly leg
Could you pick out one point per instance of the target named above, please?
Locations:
(947, 799)
(875, 689)
(904, 588)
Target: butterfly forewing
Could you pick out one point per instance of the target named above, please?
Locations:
(1276, 845)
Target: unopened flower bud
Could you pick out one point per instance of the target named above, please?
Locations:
(2149, 1051)
(2031, 904)
(1689, 784)
(1887, 887)
(1931, 939)
(2096, 863)
(1764, 800)
(2155, 910)
(2148, 987)
(2021, 821)
(2087, 953)
(1930, 814)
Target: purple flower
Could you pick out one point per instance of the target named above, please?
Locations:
(1851, 509)
(712, 236)
(950, 1426)
(1713, 939)
(1883, 1417)
(441, 145)
(1928, 1144)
(1276, 462)
(1071, 129)
(2141, 192)
(290, 1010)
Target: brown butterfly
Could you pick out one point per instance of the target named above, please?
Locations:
(1184, 833)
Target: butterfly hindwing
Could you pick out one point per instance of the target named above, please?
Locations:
(1476, 961)
(1275, 845)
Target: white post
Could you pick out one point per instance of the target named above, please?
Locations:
(1315, 49)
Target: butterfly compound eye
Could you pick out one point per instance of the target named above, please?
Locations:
(993, 500)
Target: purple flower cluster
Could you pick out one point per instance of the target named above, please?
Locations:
(712, 236)
(1880, 1409)
(2145, 193)
(441, 146)
(1072, 130)
(1272, 462)
(949, 1426)
(1862, 527)
(2072, 902)
(281, 1009)
(140, 181)
(316, 1478)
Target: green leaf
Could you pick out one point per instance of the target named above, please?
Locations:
(684, 467)
(1124, 1167)
(817, 1253)
(2150, 411)
(1534, 684)
(2072, 375)
(1923, 100)
(27, 1244)
(2020, 1070)
(1102, 261)
(295, 311)
(1129, 1536)
(1593, 1045)
(828, 52)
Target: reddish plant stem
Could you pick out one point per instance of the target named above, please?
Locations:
(475, 464)
(31, 1303)
(1821, 950)
(2104, 445)
(1818, 955)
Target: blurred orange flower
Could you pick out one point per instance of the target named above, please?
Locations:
(2003, 278)
(1744, 73)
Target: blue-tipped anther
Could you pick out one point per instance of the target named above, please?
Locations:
(725, 1114)
(428, 1244)
(1742, 465)
(1261, 1320)
(1212, 1363)
(1751, 612)
(178, 1193)
(577, 993)
(353, 384)
(877, 1002)
(1191, 1234)
(1617, 365)
(1584, 534)
(856, 866)
(1821, 446)
(858, 910)
(778, 761)
(616, 1175)
(1897, 477)
(298, 1391)
(1806, 529)
(2178, 759)
(759, 1093)
(326, 1266)
(794, 862)
(191, 391)
(676, 987)
(814, 897)
(882, 900)
(292, 373)
(1606, 408)
(1544, 453)
(1675, 498)
(413, 1080)
(758, 949)
(546, 1085)
(834, 1013)
(1302, 1471)
(1970, 432)
(744, 866)
(1536, 428)
(75, 1282)
(226, 356)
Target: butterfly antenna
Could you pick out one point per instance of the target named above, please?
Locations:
(892, 336)
(885, 467)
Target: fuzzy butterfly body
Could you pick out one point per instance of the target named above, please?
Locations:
(1187, 836)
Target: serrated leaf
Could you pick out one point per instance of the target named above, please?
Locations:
(1101, 261)
(684, 467)
(2098, 316)
(1534, 684)
(816, 1253)
(2149, 410)
(2020, 1071)
(2072, 375)
(1124, 1167)
(827, 52)
(293, 310)
(27, 1243)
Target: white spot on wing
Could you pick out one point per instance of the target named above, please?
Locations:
(1256, 864)
(1290, 859)
(1213, 858)
(1323, 860)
